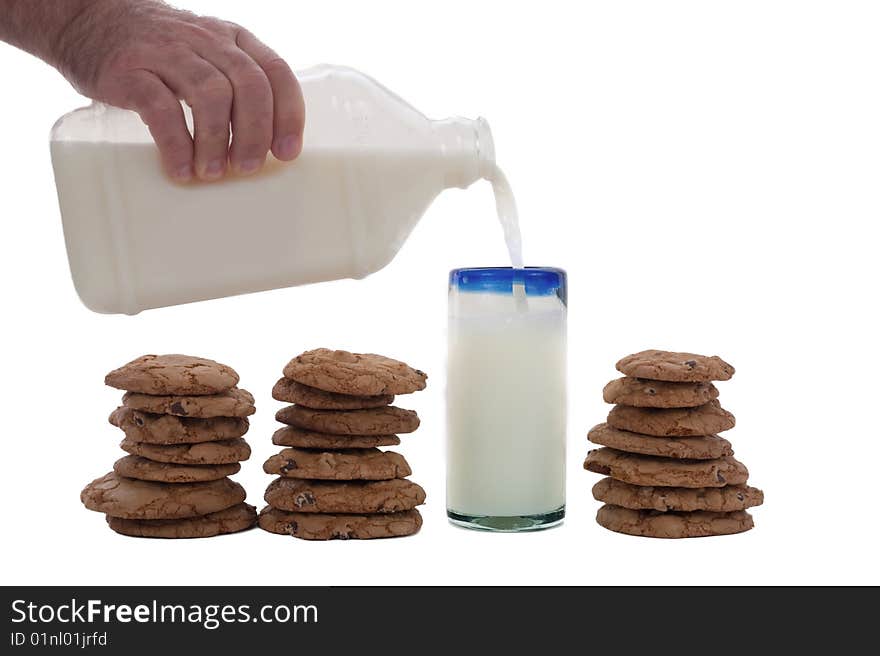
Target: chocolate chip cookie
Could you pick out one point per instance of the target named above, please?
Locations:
(675, 367)
(320, 526)
(666, 472)
(311, 397)
(342, 465)
(128, 498)
(374, 421)
(164, 472)
(222, 452)
(360, 497)
(662, 499)
(643, 393)
(653, 524)
(703, 447)
(706, 419)
(173, 374)
(356, 374)
(293, 436)
(232, 403)
(237, 518)
(167, 429)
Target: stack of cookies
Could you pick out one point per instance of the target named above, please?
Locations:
(183, 419)
(670, 475)
(333, 482)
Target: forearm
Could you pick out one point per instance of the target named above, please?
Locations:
(48, 28)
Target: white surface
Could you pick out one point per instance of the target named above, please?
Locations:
(706, 172)
(370, 167)
(506, 404)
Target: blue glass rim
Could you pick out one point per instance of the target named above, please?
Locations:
(538, 281)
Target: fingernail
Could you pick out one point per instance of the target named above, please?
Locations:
(250, 166)
(183, 174)
(288, 147)
(214, 169)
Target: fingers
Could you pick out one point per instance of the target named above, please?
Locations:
(210, 94)
(288, 106)
(229, 78)
(158, 107)
(252, 107)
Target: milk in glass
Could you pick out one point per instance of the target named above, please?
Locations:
(506, 398)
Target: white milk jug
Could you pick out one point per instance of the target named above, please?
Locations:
(370, 167)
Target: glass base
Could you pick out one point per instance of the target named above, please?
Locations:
(513, 524)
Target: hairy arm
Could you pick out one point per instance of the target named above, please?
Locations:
(145, 55)
(37, 27)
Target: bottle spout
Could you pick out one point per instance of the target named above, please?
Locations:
(468, 150)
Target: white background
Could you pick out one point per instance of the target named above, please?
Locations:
(707, 172)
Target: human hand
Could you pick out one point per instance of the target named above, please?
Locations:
(144, 55)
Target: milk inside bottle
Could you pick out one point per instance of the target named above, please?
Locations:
(370, 167)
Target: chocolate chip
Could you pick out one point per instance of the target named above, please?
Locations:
(139, 420)
(721, 478)
(651, 391)
(690, 363)
(290, 464)
(177, 408)
(740, 496)
(304, 499)
(605, 470)
(291, 527)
